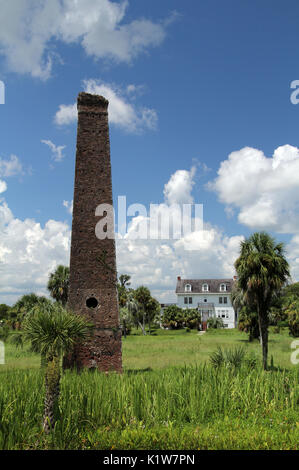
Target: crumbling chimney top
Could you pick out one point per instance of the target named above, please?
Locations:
(87, 99)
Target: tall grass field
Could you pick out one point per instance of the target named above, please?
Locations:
(158, 404)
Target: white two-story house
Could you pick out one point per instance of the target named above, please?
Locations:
(212, 297)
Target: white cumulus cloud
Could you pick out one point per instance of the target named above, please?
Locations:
(10, 167)
(123, 114)
(263, 189)
(179, 188)
(3, 186)
(28, 253)
(29, 28)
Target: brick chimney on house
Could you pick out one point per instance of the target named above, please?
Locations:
(93, 278)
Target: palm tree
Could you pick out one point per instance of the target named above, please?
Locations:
(248, 322)
(125, 320)
(53, 333)
(24, 305)
(262, 271)
(246, 315)
(142, 296)
(136, 312)
(124, 280)
(237, 297)
(58, 284)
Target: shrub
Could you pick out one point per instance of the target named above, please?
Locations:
(215, 322)
(191, 318)
(173, 317)
(292, 312)
(217, 358)
(4, 332)
(228, 357)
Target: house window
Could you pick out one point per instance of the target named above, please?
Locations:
(185, 300)
(190, 300)
(220, 300)
(205, 287)
(225, 300)
(188, 288)
(205, 300)
(222, 287)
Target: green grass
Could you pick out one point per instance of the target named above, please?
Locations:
(169, 397)
(177, 347)
(166, 348)
(184, 407)
(17, 358)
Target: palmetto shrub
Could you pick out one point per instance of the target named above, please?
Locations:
(232, 358)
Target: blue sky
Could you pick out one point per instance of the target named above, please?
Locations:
(188, 83)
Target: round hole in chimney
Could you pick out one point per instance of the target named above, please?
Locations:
(92, 302)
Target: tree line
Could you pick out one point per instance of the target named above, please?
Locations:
(137, 307)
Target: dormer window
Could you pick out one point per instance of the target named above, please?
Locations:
(188, 288)
(222, 287)
(205, 287)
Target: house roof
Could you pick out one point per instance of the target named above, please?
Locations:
(196, 285)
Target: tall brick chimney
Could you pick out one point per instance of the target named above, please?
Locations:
(93, 277)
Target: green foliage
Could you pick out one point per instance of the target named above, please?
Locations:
(4, 312)
(173, 317)
(124, 280)
(228, 357)
(53, 331)
(292, 312)
(291, 291)
(26, 304)
(248, 322)
(192, 318)
(215, 323)
(123, 289)
(58, 284)
(4, 332)
(143, 307)
(126, 321)
(262, 271)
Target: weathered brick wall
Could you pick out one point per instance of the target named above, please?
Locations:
(93, 263)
